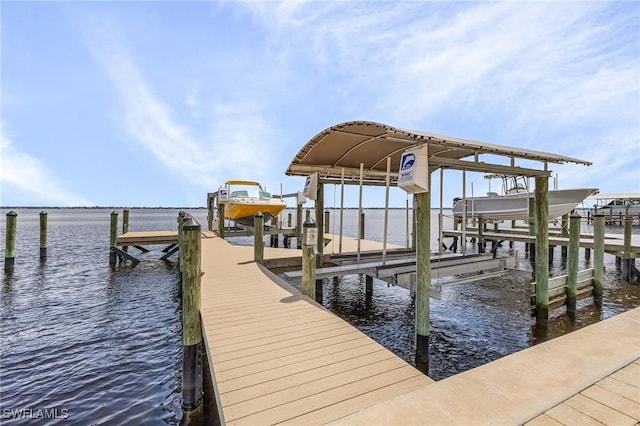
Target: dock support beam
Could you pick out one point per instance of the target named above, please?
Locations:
(10, 241)
(320, 224)
(43, 235)
(628, 263)
(190, 250)
(572, 265)
(258, 238)
(221, 220)
(542, 255)
(113, 238)
(310, 234)
(598, 259)
(299, 226)
(423, 277)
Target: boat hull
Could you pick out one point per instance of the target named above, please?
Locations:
(243, 211)
(516, 206)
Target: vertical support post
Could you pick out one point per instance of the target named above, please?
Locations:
(386, 211)
(362, 226)
(113, 237)
(258, 238)
(43, 235)
(10, 241)
(361, 216)
(423, 278)
(210, 199)
(598, 259)
(533, 226)
(572, 264)
(221, 220)
(320, 224)
(627, 261)
(288, 220)
(125, 221)
(191, 328)
(542, 257)
(309, 237)
(341, 209)
(564, 233)
(299, 226)
(480, 235)
(326, 221)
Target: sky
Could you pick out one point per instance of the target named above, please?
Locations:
(156, 103)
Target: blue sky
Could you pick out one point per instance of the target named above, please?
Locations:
(146, 103)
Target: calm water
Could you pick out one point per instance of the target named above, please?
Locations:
(95, 344)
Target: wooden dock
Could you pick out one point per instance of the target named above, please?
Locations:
(588, 377)
(278, 356)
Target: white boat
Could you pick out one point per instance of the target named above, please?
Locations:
(513, 203)
(616, 205)
(246, 198)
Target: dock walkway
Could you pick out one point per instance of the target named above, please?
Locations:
(278, 356)
(588, 377)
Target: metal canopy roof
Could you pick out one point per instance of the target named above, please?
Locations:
(345, 146)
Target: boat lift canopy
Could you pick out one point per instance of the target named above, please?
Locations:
(345, 146)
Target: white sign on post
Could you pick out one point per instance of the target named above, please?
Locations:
(414, 170)
(312, 237)
(311, 186)
(223, 195)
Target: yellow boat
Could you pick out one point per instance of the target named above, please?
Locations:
(246, 198)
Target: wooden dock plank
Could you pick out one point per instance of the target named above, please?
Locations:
(278, 355)
(626, 406)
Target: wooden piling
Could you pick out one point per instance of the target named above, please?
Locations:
(288, 220)
(309, 239)
(532, 228)
(572, 264)
(125, 221)
(113, 238)
(542, 246)
(320, 224)
(221, 220)
(258, 238)
(628, 264)
(43, 235)
(564, 233)
(362, 226)
(598, 259)
(480, 235)
(299, 226)
(190, 250)
(423, 278)
(326, 221)
(10, 241)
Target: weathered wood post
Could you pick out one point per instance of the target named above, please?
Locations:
(572, 264)
(362, 226)
(542, 247)
(125, 221)
(10, 241)
(564, 233)
(628, 264)
(258, 238)
(299, 226)
(289, 220)
(43, 235)
(598, 259)
(273, 238)
(309, 244)
(211, 196)
(423, 277)
(113, 238)
(221, 219)
(190, 250)
(480, 235)
(320, 225)
(532, 227)
(326, 221)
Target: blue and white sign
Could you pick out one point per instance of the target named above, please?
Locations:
(311, 186)
(414, 170)
(223, 195)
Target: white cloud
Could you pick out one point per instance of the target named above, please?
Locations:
(32, 176)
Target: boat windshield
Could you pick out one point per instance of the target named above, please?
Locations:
(244, 191)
